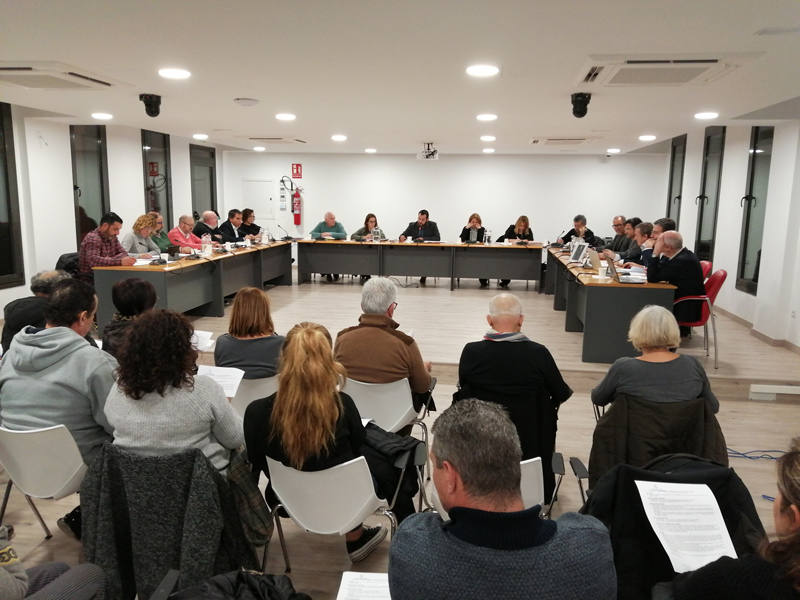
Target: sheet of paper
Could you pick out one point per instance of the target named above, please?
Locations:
(687, 520)
(140, 262)
(364, 586)
(228, 377)
(201, 340)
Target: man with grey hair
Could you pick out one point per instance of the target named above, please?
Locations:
(511, 370)
(30, 311)
(210, 225)
(374, 351)
(681, 268)
(492, 547)
(329, 229)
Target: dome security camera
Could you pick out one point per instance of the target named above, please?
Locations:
(152, 104)
(580, 103)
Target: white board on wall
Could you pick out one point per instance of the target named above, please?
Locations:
(258, 194)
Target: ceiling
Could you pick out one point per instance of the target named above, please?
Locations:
(390, 75)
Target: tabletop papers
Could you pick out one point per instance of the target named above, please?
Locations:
(364, 586)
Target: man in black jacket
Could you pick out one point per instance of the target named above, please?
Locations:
(420, 230)
(209, 225)
(230, 229)
(30, 311)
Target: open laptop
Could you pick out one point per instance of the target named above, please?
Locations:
(594, 259)
(614, 274)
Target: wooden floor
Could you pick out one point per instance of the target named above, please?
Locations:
(442, 322)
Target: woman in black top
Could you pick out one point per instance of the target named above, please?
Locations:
(248, 226)
(474, 232)
(308, 424)
(519, 231)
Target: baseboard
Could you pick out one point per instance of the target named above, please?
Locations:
(733, 317)
(757, 334)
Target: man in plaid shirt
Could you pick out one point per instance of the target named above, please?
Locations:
(101, 248)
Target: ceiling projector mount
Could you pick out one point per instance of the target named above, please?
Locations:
(428, 152)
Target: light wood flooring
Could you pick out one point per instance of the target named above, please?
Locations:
(442, 322)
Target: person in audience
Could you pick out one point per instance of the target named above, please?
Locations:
(230, 229)
(634, 251)
(621, 242)
(492, 547)
(47, 581)
(375, 351)
(137, 242)
(30, 311)
(248, 226)
(183, 236)
(159, 235)
(307, 424)
(474, 232)
(579, 230)
(208, 224)
(772, 573)
(131, 298)
(251, 343)
(682, 269)
(519, 231)
(364, 234)
(659, 374)
(101, 248)
(421, 230)
(329, 228)
(641, 234)
(509, 369)
(159, 406)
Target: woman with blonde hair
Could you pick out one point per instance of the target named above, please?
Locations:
(659, 374)
(519, 231)
(307, 424)
(138, 243)
(251, 343)
(474, 232)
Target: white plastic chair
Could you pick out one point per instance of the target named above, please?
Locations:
(43, 463)
(531, 486)
(253, 389)
(329, 502)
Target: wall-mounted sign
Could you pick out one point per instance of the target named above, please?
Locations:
(297, 171)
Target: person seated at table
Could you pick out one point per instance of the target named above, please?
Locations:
(659, 374)
(159, 235)
(364, 234)
(329, 228)
(131, 298)
(308, 424)
(182, 235)
(159, 406)
(634, 251)
(421, 230)
(641, 235)
(230, 229)
(248, 226)
(251, 343)
(620, 242)
(474, 232)
(774, 572)
(101, 248)
(137, 242)
(209, 224)
(579, 230)
(519, 231)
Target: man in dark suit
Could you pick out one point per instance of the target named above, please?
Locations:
(230, 229)
(621, 242)
(209, 225)
(420, 230)
(675, 264)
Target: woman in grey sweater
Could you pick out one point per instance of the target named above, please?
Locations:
(659, 374)
(138, 243)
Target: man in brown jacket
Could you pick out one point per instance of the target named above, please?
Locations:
(374, 351)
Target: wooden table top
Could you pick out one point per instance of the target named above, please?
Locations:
(588, 276)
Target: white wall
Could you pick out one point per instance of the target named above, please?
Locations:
(125, 178)
(549, 189)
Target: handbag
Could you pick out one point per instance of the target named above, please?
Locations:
(254, 513)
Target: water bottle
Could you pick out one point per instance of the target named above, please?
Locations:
(376, 234)
(487, 239)
(205, 245)
(269, 235)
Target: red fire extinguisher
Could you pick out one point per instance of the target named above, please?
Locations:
(296, 199)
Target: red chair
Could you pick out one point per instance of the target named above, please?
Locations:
(713, 285)
(706, 264)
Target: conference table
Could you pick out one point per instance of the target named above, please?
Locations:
(429, 259)
(600, 307)
(200, 285)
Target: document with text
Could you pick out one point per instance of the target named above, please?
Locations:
(364, 586)
(228, 377)
(687, 520)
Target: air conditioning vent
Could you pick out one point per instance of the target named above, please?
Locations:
(272, 140)
(562, 141)
(38, 75)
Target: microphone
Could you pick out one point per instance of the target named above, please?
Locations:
(560, 236)
(287, 237)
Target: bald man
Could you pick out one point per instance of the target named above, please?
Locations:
(330, 228)
(209, 224)
(509, 369)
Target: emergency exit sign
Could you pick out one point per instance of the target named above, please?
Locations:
(297, 171)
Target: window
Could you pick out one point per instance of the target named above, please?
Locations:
(12, 272)
(204, 178)
(89, 176)
(708, 200)
(754, 203)
(677, 160)
(157, 180)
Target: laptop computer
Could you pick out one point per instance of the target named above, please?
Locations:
(614, 274)
(594, 259)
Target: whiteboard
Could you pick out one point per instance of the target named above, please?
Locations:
(259, 194)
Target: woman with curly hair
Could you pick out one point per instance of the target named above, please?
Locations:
(138, 243)
(772, 573)
(308, 424)
(159, 406)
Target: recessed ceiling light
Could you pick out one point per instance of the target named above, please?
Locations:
(338, 137)
(647, 138)
(174, 73)
(259, 148)
(487, 117)
(482, 70)
(285, 117)
(102, 116)
(706, 115)
(370, 150)
(488, 138)
(200, 136)
(488, 150)
(145, 147)
(613, 150)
